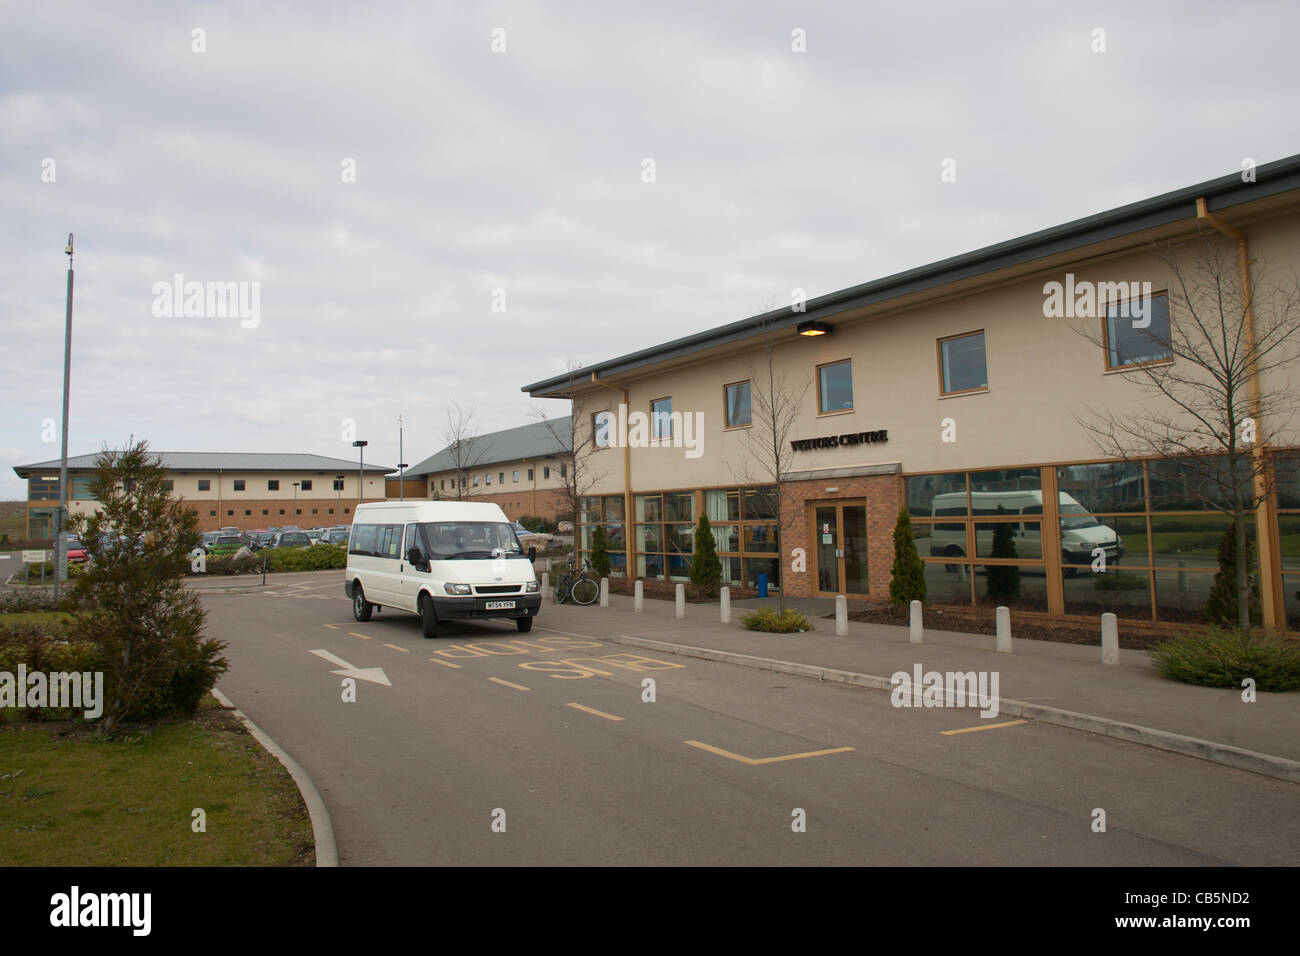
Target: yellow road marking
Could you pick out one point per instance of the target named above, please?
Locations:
(332, 627)
(756, 761)
(971, 730)
(439, 660)
(362, 636)
(589, 710)
(404, 650)
(506, 683)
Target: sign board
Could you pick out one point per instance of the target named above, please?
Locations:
(34, 557)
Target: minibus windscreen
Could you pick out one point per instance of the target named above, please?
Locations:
(451, 540)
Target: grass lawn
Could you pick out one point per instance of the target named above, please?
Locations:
(70, 797)
(35, 617)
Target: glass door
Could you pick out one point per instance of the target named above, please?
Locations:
(840, 532)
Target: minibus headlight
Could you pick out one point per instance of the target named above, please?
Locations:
(456, 588)
(531, 587)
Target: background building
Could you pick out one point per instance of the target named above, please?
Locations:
(946, 388)
(225, 489)
(526, 470)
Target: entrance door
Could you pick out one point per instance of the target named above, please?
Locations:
(840, 530)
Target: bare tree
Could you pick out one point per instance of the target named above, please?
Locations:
(1225, 333)
(467, 448)
(575, 444)
(775, 401)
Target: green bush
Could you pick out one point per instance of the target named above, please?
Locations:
(600, 552)
(233, 564)
(908, 581)
(195, 674)
(535, 523)
(1116, 580)
(772, 621)
(706, 569)
(48, 646)
(1223, 657)
(1221, 607)
(319, 557)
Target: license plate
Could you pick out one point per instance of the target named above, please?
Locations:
(499, 605)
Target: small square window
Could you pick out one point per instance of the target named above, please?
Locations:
(168, 484)
(205, 484)
(835, 386)
(602, 429)
(313, 511)
(1137, 331)
(281, 511)
(248, 513)
(273, 484)
(516, 476)
(264, 511)
(212, 514)
(306, 484)
(963, 365)
(736, 405)
(530, 474)
(331, 511)
(338, 484)
(239, 484)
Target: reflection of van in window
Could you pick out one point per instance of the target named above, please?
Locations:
(1080, 532)
(444, 560)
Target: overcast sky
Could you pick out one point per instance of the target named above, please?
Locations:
(524, 170)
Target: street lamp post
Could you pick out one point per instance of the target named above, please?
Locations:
(361, 467)
(295, 500)
(61, 543)
(338, 505)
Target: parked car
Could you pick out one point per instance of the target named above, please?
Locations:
(315, 534)
(76, 550)
(264, 540)
(539, 539)
(289, 539)
(226, 544)
(208, 538)
(335, 536)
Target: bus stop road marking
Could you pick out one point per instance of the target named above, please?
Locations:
(756, 761)
(505, 683)
(439, 660)
(355, 634)
(590, 710)
(404, 650)
(332, 627)
(971, 730)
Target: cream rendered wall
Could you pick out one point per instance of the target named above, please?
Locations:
(1041, 373)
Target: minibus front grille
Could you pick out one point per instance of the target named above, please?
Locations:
(496, 589)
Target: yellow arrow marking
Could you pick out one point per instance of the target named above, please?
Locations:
(756, 761)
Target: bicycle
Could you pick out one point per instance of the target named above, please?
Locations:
(582, 587)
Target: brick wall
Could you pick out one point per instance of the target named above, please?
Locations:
(327, 513)
(883, 495)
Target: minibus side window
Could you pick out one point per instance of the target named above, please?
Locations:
(363, 539)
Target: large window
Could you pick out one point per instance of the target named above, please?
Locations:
(744, 531)
(45, 488)
(602, 429)
(81, 488)
(835, 387)
(736, 404)
(962, 365)
(1137, 331)
(606, 511)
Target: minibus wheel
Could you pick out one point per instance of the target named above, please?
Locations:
(361, 608)
(952, 552)
(428, 618)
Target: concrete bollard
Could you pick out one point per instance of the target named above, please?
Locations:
(1004, 630)
(604, 592)
(961, 573)
(638, 598)
(1109, 639)
(726, 605)
(841, 615)
(546, 586)
(681, 600)
(916, 627)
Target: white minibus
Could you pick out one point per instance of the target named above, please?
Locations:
(443, 560)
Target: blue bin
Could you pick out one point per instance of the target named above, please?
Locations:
(762, 585)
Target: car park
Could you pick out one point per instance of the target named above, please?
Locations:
(443, 560)
(76, 550)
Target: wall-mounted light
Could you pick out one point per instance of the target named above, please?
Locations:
(815, 328)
